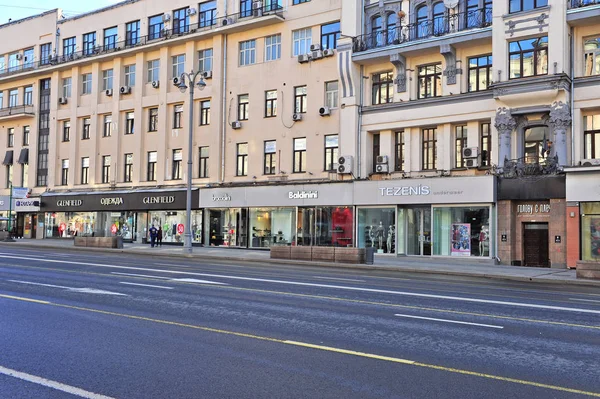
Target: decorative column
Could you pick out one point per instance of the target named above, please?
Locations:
(504, 124)
(560, 120)
(449, 53)
(399, 62)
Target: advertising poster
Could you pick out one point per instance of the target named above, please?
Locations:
(595, 238)
(461, 239)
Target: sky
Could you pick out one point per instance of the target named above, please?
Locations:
(24, 8)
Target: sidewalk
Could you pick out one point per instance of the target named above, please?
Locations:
(388, 263)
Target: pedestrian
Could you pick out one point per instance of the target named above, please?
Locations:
(159, 236)
(153, 234)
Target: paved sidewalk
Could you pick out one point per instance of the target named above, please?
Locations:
(389, 263)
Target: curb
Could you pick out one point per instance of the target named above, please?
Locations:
(212, 258)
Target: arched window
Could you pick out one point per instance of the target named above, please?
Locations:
(472, 15)
(392, 33)
(537, 144)
(377, 31)
(439, 20)
(422, 22)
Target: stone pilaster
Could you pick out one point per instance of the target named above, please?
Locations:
(560, 120)
(504, 124)
(399, 62)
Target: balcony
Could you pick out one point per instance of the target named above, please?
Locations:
(16, 112)
(583, 12)
(258, 17)
(457, 27)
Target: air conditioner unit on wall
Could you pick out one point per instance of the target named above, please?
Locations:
(472, 163)
(470, 152)
(316, 55)
(315, 47)
(345, 164)
(155, 84)
(590, 162)
(236, 125)
(324, 111)
(125, 90)
(382, 168)
(166, 17)
(191, 11)
(303, 58)
(63, 100)
(382, 159)
(207, 74)
(297, 117)
(108, 92)
(328, 52)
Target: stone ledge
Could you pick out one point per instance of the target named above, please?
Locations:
(99, 242)
(589, 270)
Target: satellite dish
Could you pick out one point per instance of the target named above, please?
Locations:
(450, 3)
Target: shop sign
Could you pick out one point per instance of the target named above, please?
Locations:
(27, 205)
(531, 209)
(113, 229)
(405, 191)
(111, 201)
(221, 197)
(159, 200)
(303, 194)
(66, 203)
(180, 228)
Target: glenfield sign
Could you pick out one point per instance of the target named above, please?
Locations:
(117, 201)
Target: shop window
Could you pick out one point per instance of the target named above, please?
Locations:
(591, 136)
(300, 155)
(203, 163)
(300, 94)
(460, 143)
(272, 226)
(177, 164)
(399, 161)
(461, 231)
(590, 231)
(485, 144)
(526, 5)
(228, 227)
(270, 157)
(429, 150)
(331, 152)
(430, 81)
(528, 57)
(70, 224)
(591, 50)
(382, 88)
(377, 229)
(169, 221)
(242, 159)
(325, 226)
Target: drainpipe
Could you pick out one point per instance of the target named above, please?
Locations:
(359, 127)
(572, 96)
(224, 109)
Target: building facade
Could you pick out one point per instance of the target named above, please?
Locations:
(420, 128)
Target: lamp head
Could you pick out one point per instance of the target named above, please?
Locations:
(182, 86)
(201, 84)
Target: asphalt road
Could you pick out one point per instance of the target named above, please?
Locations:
(96, 326)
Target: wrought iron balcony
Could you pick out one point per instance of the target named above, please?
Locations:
(422, 30)
(207, 24)
(17, 111)
(583, 3)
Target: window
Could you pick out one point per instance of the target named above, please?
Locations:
(130, 75)
(422, 22)
(330, 34)
(439, 20)
(151, 173)
(299, 155)
(9, 175)
(243, 107)
(1, 99)
(13, 62)
(392, 32)
(64, 176)
(248, 52)
(528, 57)
(45, 53)
(181, 20)
(106, 169)
(208, 14)
(205, 59)
(24, 174)
(66, 131)
(177, 115)
(66, 88)
(89, 43)
(300, 94)
(28, 95)
(591, 48)
(132, 33)
(155, 27)
(2, 63)
(13, 98)
(480, 72)
(86, 129)
(331, 152)
(270, 103)
(399, 162)
(86, 87)
(591, 136)
(485, 144)
(460, 143)
(429, 154)
(11, 137)
(128, 173)
(270, 157)
(85, 170)
(107, 79)
(110, 38)
(331, 94)
(245, 8)
(537, 145)
(242, 159)
(273, 47)
(376, 150)
(383, 88)
(302, 39)
(153, 70)
(153, 120)
(203, 164)
(300, 1)
(524, 5)
(26, 131)
(129, 123)
(178, 62)
(430, 81)
(107, 131)
(68, 46)
(177, 159)
(205, 113)
(28, 58)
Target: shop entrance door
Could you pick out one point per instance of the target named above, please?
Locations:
(418, 231)
(34, 221)
(535, 245)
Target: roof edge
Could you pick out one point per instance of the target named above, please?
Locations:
(99, 10)
(18, 21)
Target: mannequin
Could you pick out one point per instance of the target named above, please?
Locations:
(483, 238)
(390, 239)
(380, 234)
(372, 235)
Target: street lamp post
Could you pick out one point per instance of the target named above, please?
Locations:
(180, 83)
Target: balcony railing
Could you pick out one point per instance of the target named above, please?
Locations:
(583, 3)
(136, 41)
(17, 110)
(421, 30)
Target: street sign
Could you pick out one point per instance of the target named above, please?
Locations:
(20, 192)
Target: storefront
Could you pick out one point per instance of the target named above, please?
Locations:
(262, 216)
(128, 214)
(449, 216)
(583, 215)
(4, 210)
(27, 210)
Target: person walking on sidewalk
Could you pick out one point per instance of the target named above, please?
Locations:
(159, 237)
(153, 235)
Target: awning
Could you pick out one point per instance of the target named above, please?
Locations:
(8, 158)
(24, 156)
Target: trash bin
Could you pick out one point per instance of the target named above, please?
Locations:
(369, 255)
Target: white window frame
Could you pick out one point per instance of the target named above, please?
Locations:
(273, 47)
(86, 83)
(153, 70)
(248, 52)
(178, 63)
(66, 89)
(301, 41)
(204, 59)
(332, 95)
(594, 54)
(130, 75)
(107, 79)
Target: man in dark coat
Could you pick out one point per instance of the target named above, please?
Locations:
(153, 235)
(159, 237)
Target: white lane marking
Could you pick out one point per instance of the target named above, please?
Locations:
(448, 321)
(413, 294)
(52, 384)
(147, 285)
(388, 278)
(341, 279)
(169, 264)
(72, 289)
(584, 300)
(140, 275)
(193, 280)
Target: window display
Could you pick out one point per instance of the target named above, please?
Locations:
(172, 224)
(376, 228)
(228, 227)
(271, 226)
(325, 226)
(120, 224)
(459, 231)
(590, 231)
(71, 224)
